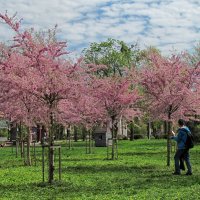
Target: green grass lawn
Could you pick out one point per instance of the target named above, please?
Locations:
(139, 173)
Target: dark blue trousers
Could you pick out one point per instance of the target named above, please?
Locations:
(182, 154)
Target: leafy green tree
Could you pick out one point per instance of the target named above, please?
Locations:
(115, 54)
(193, 57)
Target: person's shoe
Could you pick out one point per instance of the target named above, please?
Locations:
(188, 174)
(176, 173)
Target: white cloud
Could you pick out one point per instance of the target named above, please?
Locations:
(167, 24)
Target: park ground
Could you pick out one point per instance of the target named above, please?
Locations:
(139, 173)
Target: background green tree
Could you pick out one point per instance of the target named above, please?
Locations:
(115, 54)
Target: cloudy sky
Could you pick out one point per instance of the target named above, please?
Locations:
(167, 24)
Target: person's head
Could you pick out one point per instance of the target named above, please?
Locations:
(181, 122)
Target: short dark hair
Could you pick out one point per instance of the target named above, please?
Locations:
(181, 122)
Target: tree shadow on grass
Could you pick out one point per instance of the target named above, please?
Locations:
(141, 153)
(143, 174)
(166, 180)
(108, 168)
(82, 159)
(120, 154)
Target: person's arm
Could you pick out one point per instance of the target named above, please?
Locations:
(173, 137)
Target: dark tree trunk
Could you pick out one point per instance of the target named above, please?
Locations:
(90, 143)
(51, 164)
(75, 133)
(38, 139)
(51, 150)
(169, 126)
(165, 127)
(154, 130)
(114, 138)
(61, 132)
(21, 140)
(131, 132)
(69, 137)
(28, 162)
(13, 132)
(84, 133)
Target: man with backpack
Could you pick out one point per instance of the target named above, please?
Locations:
(184, 143)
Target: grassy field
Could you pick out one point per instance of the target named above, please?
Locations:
(139, 173)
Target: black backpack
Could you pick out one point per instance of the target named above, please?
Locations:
(189, 141)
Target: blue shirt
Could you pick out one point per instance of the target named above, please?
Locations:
(181, 137)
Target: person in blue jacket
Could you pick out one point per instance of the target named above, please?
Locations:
(182, 152)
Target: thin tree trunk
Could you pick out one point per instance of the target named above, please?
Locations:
(51, 150)
(22, 148)
(114, 139)
(75, 133)
(21, 140)
(113, 148)
(69, 137)
(169, 140)
(40, 134)
(51, 164)
(28, 147)
(154, 129)
(61, 131)
(149, 129)
(89, 141)
(84, 133)
(165, 128)
(131, 132)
